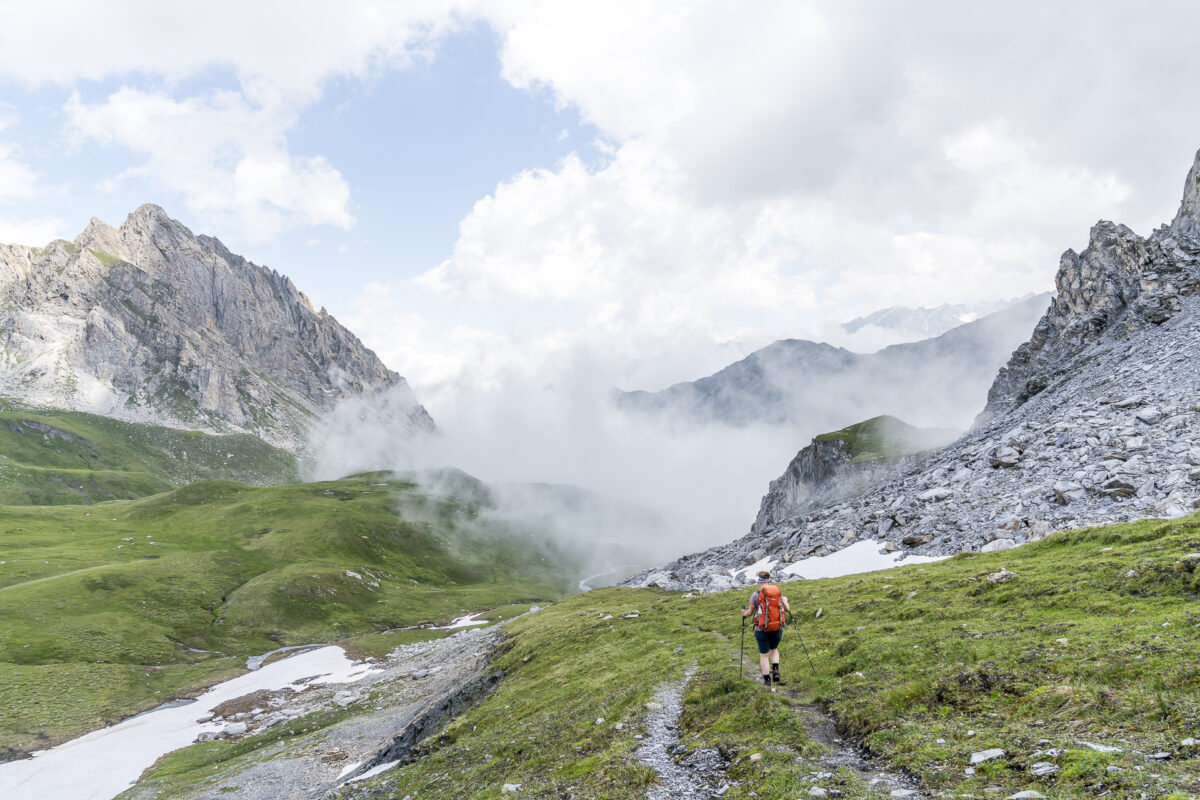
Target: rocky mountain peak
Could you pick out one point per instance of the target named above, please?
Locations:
(1119, 281)
(1094, 420)
(151, 322)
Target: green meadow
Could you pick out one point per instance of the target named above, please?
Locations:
(110, 608)
(1095, 638)
(53, 457)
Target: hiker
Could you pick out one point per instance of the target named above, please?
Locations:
(768, 605)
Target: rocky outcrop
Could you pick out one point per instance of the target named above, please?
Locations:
(149, 322)
(843, 464)
(1095, 419)
(934, 382)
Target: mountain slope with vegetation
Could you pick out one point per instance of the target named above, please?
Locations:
(1073, 656)
(55, 457)
(110, 608)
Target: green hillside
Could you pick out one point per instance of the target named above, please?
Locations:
(104, 607)
(53, 457)
(886, 438)
(1094, 639)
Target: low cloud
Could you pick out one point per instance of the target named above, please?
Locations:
(227, 156)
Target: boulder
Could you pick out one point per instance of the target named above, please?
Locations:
(986, 755)
(1150, 415)
(1005, 457)
(998, 544)
(1003, 576)
(1116, 487)
(1066, 492)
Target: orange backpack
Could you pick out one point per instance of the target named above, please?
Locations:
(770, 608)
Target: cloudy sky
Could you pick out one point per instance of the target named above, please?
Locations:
(503, 193)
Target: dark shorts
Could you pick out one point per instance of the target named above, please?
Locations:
(768, 641)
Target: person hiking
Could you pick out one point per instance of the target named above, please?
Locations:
(768, 606)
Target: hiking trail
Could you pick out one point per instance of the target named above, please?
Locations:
(683, 774)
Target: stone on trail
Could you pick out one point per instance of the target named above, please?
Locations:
(1028, 793)
(510, 788)
(986, 755)
(1043, 768)
(1102, 748)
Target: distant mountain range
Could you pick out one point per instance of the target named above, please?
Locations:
(942, 381)
(923, 323)
(151, 323)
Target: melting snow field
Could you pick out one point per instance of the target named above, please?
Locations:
(464, 622)
(106, 762)
(858, 557)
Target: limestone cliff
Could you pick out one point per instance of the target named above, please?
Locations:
(150, 322)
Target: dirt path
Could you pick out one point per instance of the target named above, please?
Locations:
(682, 774)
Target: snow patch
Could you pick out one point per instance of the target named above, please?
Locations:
(859, 557)
(104, 763)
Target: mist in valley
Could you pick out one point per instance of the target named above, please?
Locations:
(563, 453)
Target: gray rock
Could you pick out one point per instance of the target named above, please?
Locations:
(998, 544)
(1043, 768)
(1151, 415)
(1003, 576)
(1028, 793)
(986, 755)
(1068, 492)
(1006, 457)
(936, 494)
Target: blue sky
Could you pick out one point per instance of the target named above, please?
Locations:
(418, 147)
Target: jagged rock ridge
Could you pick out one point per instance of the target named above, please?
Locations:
(1095, 419)
(149, 322)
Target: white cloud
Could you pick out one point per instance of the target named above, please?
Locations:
(31, 232)
(17, 181)
(227, 157)
(277, 49)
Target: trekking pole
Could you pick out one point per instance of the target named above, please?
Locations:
(742, 649)
(792, 617)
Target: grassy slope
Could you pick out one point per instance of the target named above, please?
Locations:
(886, 438)
(52, 457)
(98, 604)
(1075, 648)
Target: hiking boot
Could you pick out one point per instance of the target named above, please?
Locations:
(776, 679)
(767, 680)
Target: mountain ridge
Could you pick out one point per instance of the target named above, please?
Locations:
(150, 322)
(1092, 421)
(792, 380)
